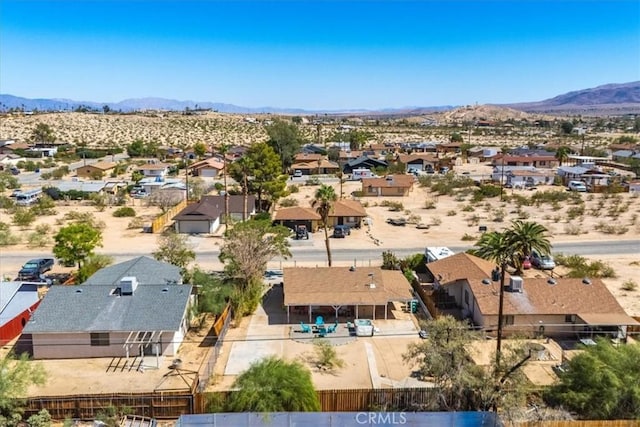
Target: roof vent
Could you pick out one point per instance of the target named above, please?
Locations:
(165, 289)
(78, 291)
(586, 281)
(128, 285)
(486, 281)
(516, 284)
(552, 281)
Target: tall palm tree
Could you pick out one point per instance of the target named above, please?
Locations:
(495, 246)
(323, 201)
(224, 149)
(527, 236)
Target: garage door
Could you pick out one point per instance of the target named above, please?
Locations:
(193, 227)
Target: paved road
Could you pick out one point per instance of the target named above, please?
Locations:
(310, 255)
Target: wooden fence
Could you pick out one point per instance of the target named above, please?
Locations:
(347, 400)
(162, 405)
(158, 224)
(206, 369)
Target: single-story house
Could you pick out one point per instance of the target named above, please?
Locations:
(547, 161)
(153, 184)
(135, 308)
(84, 186)
(95, 170)
(154, 170)
(9, 160)
(347, 212)
(449, 147)
(522, 178)
(306, 157)
(207, 168)
(363, 292)
(296, 215)
(363, 161)
(589, 173)
(18, 300)
(16, 146)
(559, 307)
(418, 161)
(322, 166)
(390, 185)
(206, 215)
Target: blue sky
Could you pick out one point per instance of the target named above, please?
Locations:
(316, 54)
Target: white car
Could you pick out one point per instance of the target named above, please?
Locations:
(297, 173)
(578, 186)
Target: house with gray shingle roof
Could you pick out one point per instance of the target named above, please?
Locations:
(561, 307)
(135, 308)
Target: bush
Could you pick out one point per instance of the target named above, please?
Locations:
(6, 237)
(135, 223)
(430, 204)
(393, 206)
(314, 180)
(124, 211)
(629, 285)
(293, 189)
(573, 229)
(288, 202)
(468, 238)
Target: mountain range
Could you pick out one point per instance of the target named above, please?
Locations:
(612, 98)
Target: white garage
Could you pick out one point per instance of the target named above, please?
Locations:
(197, 226)
(198, 218)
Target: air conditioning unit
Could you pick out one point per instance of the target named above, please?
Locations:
(128, 285)
(516, 283)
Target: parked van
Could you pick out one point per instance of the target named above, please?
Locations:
(358, 174)
(28, 198)
(577, 186)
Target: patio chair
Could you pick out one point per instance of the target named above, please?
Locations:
(305, 328)
(332, 328)
(319, 320)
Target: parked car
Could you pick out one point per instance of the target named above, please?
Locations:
(297, 173)
(341, 231)
(302, 232)
(543, 262)
(577, 186)
(526, 263)
(397, 221)
(15, 171)
(34, 268)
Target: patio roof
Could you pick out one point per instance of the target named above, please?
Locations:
(341, 286)
(607, 319)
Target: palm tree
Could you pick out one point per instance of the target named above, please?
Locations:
(562, 154)
(527, 236)
(323, 202)
(224, 149)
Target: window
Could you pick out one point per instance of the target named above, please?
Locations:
(508, 319)
(570, 318)
(100, 339)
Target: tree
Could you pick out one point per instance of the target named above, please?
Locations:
(357, 138)
(43, 133)
(456, 137)
(23, 217)
(602, 382)
(200, 148)
(323, 201)
(259, 172)
(223, 150)
(8, 181)
(566, 127)
(286, 140)
(274, 385)
(174, 249)
(525, 237)
(17, 374)
(562, 154)
(76, 242)
(92, 264)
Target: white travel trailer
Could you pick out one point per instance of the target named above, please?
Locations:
(27, 198)
(437, 253)
(358, 174)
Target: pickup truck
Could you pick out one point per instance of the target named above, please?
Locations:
(35, 267)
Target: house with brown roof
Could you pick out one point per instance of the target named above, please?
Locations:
(207, 168)
(294, 216)
(535, 160)
(320, 166)
(558, 307)
(307, 157)
(347, 212)
(205, 216)
(390, 185)
(96, 170)
(419, 161)
(363, 292)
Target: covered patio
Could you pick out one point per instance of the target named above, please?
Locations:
(346, 292)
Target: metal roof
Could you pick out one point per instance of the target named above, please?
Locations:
(147, 270)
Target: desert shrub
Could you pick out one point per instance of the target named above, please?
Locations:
(473, 220)
(488, 190)
(293, 189)
(314, 180)
(436, 220)
(358, 193)
(430, 203)
(499, 215)
(448, 184)
(6, 202)
(44, 206)
(38, 240)
(326, 355)
(124, 211)
(288, 202)
(452, 212)
(606, 228)
(468, 208)
(522, 214)
(135, 223)
(573, 229)
(86, 217)
(413, 219)
(580, 267)
(392, 205)
(466, 237)
(550, 196)
(6, 237)
(23, 217)
(629, 285)
(575, 211)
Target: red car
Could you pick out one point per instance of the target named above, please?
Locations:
(526, 263)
